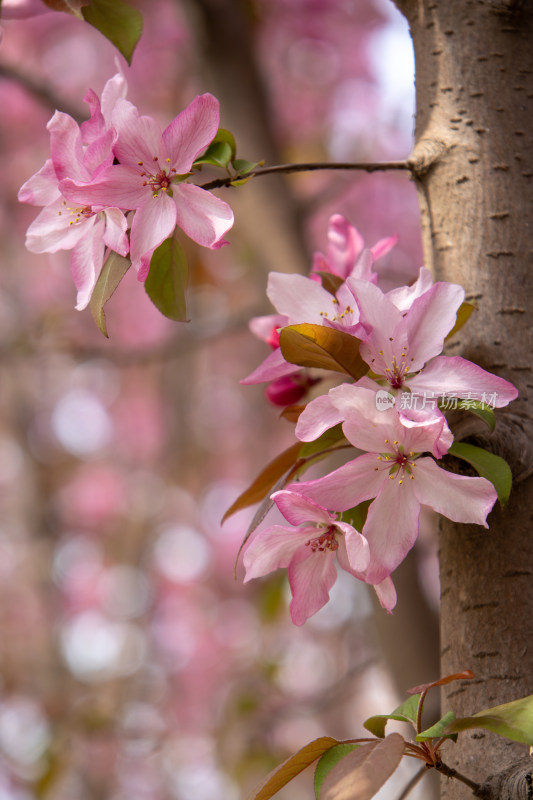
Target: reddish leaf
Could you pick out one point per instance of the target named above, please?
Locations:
(292, 413)
(292, 767)
(316, 346)
(265, 480)
(457, 676)
(362, 773)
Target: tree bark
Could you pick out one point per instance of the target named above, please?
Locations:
(472, 166)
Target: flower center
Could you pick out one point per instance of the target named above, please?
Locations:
(338, 315)
(398, 463)
(77, 214)
(160, 180)
(326, 541)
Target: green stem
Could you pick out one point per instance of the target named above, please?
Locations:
(383, 166)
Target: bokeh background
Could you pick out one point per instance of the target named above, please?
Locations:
(132, 663)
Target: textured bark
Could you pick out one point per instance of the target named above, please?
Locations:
(472, 164)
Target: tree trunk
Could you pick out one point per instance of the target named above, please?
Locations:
(472, 166)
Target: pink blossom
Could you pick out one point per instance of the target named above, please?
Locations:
(86, 230)
(308, 551)
(149, 179)
(403, 348)
(394, 471)
(22, 9)
(299, 299)
(346, 255)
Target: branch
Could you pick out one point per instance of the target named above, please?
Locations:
(41, 91)
(309, 167)
(444, 769)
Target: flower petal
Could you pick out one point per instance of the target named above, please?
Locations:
(311, 576)
(460, 498)
(454, 376)
(153, 222)
(391, 528)
(274, 366)
(347, 486)
(355, 548)
(404, 296)
(298, 509)
(57, 227)
(118, 186)
(204, 217)
(386, 594)
(271, 549)
(430, 318)
(318, 416)
(300, 299)
(139, 137)
(191, 131)
(115, 236)
(41, 189)
(86, 263)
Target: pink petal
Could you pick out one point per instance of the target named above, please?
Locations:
(114, 89)
(311, 576)
(458, 497)
(298, 509)
(41, 189)
(274, 366)
(347, 486)
(404, 296)
(191, 131)
(271, 549)
(153, 222)
(262, 327)
(117, 186)
(382, 247)
(115, 236)
(391, 527)
(430, 318)
(300, 299)
(86, 263)
(318, 416)
(357, 550)
(345, 243)
(66, 148)
(386, 594)
(204, 217)
(57, 227)
(454, 376)
(139, 138)
(363, 267)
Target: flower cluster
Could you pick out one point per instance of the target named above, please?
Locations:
(119, 171)
(400, 336)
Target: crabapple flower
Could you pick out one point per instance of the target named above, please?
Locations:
(299, 299)
(86, 230)
(396, 474)
(403, 348)
(150, 179)
(346, 255)
(308, 549)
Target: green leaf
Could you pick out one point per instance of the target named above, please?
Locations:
(218, 154)
(494, 468)
(292, 767)
(324, 348)
(242, 166)
(118, 21)
(480, 409)
(114, 269)
(329, 760)
(362, 773)
(327, 439)
(439, 729)
(167, 280)
(513, 720)
(406, 712)
(463, 314)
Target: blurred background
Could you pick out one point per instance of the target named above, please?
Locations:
(132, 663)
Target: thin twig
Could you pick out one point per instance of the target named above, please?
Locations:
(413, 782)
(444, 769)
(312, 166)
(41, 91)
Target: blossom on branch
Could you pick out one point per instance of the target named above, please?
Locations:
(346, 254)
(307, 549)
(394, 472)
(150, 179)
